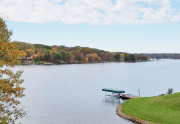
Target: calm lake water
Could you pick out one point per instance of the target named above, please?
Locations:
(71, 94)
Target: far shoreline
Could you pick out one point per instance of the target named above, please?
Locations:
(66, 63)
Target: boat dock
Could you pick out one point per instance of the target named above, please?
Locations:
(116, 94)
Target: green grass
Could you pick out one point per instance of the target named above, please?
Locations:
(37, 63)
(63, 62)
(47, 63)
(160, 109)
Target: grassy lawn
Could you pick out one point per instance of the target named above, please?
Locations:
(161, 109)
(47, 63)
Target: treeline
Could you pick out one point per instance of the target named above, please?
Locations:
(162, 55)
(63, 54)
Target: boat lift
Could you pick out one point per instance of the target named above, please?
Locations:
(115, 94)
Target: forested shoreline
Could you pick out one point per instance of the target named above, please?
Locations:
(39, 54)
(162, 55)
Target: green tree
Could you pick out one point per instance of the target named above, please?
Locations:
(37, 59)
(67, 56)
(10, 82)
(70, 57)
(130, 58)
(170, 91)
(64, 54)
(57, 56)
(117, 56)
(47, 55)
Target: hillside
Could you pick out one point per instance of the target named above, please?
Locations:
(63, 54)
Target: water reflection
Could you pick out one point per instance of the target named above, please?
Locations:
(112, 101)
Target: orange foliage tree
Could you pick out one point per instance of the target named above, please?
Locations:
(10, 89)
(86, 59)
(122, 56)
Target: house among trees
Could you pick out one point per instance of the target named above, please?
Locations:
(26, 60)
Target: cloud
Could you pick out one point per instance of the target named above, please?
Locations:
(94, 12)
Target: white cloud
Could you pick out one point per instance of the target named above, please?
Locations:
(95, 12)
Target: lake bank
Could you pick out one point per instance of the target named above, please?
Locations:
(131, 118)
(160, 109)
(63, 62)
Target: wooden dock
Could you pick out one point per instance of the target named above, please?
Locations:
(128, 96)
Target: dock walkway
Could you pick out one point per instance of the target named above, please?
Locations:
(128, 96)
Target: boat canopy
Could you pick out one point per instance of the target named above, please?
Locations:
(113, 90)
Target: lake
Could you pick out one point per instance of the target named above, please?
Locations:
(71, 94)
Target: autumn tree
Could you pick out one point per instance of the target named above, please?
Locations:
(122, 56)
(144, 58)
(95, 56)
(29, 52)
(21, 45)
(109, 56)
(29, 46)
(40, 53)
(90, 57)
(33, 57)
(78, 56)
(86, 59)
(103, 56)
(10, 82)
(138, 57)
(55, 48)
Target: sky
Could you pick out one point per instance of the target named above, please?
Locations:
(134, 26)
